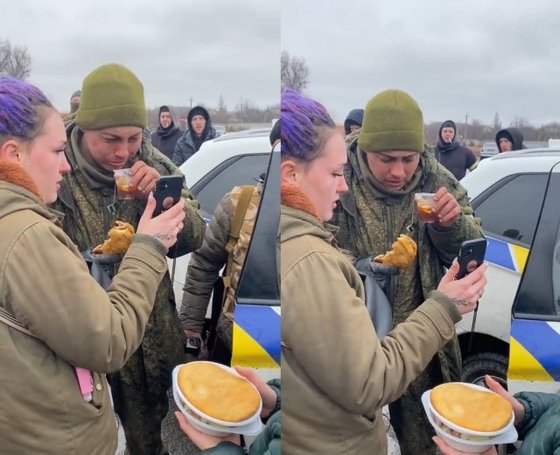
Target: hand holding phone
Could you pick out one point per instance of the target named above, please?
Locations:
(471, 256)
(167, 192)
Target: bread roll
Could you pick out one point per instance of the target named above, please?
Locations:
(402, 254)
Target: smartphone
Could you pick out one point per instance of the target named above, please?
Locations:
(471, 256)
(167, 192)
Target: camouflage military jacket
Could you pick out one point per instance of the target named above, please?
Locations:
(205, 264)
(369, 220)
(88, 202)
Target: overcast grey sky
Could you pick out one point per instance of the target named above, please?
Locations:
(178, 48)
(474, 57)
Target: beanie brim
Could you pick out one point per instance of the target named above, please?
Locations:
(123, 115)
(385, 141)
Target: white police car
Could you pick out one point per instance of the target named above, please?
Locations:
(517, 330)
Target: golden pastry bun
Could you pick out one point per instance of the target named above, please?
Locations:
(217, 392)
(471, 408)
(402, 254)
(120, 236)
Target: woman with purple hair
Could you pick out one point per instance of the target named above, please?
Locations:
(60, 332)
(336, 373)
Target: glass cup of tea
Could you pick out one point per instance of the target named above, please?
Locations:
(425, 207)
(125, 189)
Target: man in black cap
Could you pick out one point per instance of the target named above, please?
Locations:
(454, 156)
(166, 136)
(200, 130)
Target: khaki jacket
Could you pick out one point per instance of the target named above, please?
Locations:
(45, 284)
(336, 374)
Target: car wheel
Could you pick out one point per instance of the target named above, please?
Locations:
(476, 366)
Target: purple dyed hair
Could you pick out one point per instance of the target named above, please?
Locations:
(303, 124)
(19, 103)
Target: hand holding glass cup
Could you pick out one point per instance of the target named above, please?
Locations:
(125, 189)
(425, 207)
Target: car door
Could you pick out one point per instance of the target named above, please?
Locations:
(257, 325)
(534, 359)
(509, 210)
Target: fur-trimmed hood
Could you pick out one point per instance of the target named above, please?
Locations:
(19, 192)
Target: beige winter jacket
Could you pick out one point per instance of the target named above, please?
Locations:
(45, 284)
(336, 374)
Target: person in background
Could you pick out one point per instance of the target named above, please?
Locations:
(108, 134)
(57, 324)
(387, 165)
(509, 140)
(353, 121)
(266, 443)
(200, 130)
(167, 134)
(336, 373)
(455, 157)
(75, 101)
(537, 420)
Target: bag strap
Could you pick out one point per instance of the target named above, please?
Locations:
(240, 211)
(9, 320)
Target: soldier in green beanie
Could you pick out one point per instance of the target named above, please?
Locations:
(387, 164)
(107, 134)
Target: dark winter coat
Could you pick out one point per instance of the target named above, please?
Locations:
(453, 156)
(165, 139)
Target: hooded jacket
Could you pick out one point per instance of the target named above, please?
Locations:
(188, 145)
(336, 374)
(455, 157)
(513, 135)
(45, 284)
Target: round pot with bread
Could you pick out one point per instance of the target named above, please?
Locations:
(216, 399)
(468, 417)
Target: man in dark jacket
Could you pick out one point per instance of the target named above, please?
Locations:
(453, 156)
(509, 139)
(166, 136)
(200, 130)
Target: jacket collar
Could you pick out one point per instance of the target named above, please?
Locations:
(13, 173)
(292, 196)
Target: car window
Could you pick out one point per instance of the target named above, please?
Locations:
(510, 209)
(538, 293)
(239, 170)
(259, 283)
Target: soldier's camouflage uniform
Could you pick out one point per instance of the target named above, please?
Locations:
(205, 265)
(370, 218)
(139, 389)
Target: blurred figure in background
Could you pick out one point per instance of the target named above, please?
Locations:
(200, 129)
(456, 158)
(167, 134)
(75, 101)
(509, 140)
(352, 124)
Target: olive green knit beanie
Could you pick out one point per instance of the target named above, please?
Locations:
(392, 121)
(111, 96)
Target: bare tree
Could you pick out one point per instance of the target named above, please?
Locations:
(15, 61)
(294, 72)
